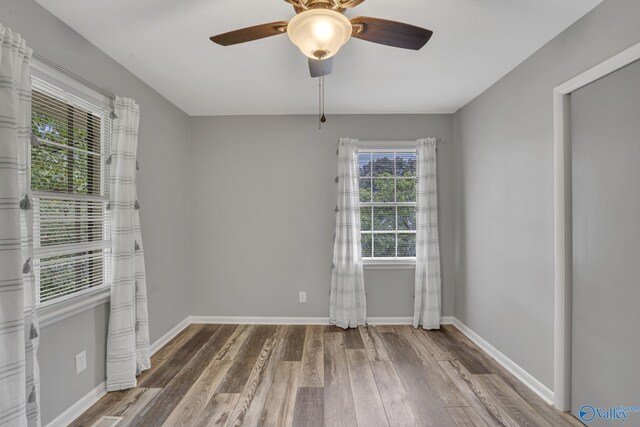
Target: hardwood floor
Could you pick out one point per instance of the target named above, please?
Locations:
(240, 375)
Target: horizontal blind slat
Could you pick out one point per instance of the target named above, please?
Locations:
(62, 298)
(62, 250)
(70, 196)
(42, 142)
(70, 179)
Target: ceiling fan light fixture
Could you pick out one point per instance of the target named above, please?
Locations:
(319, 33)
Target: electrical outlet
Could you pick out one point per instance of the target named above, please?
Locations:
(81, 362)
(303, 297)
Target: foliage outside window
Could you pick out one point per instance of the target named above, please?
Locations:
(69, 182)
(388, 204)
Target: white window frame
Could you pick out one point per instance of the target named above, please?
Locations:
(388, 147)
(55, 311)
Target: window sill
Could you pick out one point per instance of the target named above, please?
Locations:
(54, 313)
(390, 265)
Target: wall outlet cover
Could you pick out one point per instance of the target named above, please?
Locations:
(303, 297)
(81, 362)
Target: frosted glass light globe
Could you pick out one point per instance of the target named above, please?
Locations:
(319, 33)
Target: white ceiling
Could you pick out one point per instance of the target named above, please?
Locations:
(166, 44)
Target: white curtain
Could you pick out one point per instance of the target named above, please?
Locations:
(19, 377)
(348, 306)
(427, 292)
(128, 338)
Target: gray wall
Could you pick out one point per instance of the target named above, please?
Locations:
(163, 148)
(504, 190)
(499, 262)
(606, 242)
(262, 213)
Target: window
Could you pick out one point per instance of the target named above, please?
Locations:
(388, 204)
(70, 191)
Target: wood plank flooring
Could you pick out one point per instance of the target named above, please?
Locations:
(244, 375)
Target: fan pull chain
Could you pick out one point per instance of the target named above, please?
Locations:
(320, 103)
(323, 119)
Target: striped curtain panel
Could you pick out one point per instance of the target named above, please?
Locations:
(427, 293)
(128, 338)
(19, 377)
(348, 305)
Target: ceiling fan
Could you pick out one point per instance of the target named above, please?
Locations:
(320, 29)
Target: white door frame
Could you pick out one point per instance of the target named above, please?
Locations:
(563, 217)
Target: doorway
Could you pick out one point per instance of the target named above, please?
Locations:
(605, 143)
(563, 188)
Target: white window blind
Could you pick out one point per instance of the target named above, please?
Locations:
(388, 204)
(70, 190)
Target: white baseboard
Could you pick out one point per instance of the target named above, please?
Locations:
(68, 416)
(163, 340)
(243, 320)
(526, 378)
(78, 408)
(444, 320)
(374, 321)
(97, 393)
(447, 320)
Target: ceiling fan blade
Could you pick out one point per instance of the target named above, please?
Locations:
(320, 67)
(251, 33)
(390, 33)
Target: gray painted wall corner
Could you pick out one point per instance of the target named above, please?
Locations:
(163, 156)
(279, 213)
(504, 192)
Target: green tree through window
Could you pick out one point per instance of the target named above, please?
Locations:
(387, 204)
(66, 178)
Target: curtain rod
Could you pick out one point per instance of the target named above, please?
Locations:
(75, 76)
(390, 144)
(397, 141)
